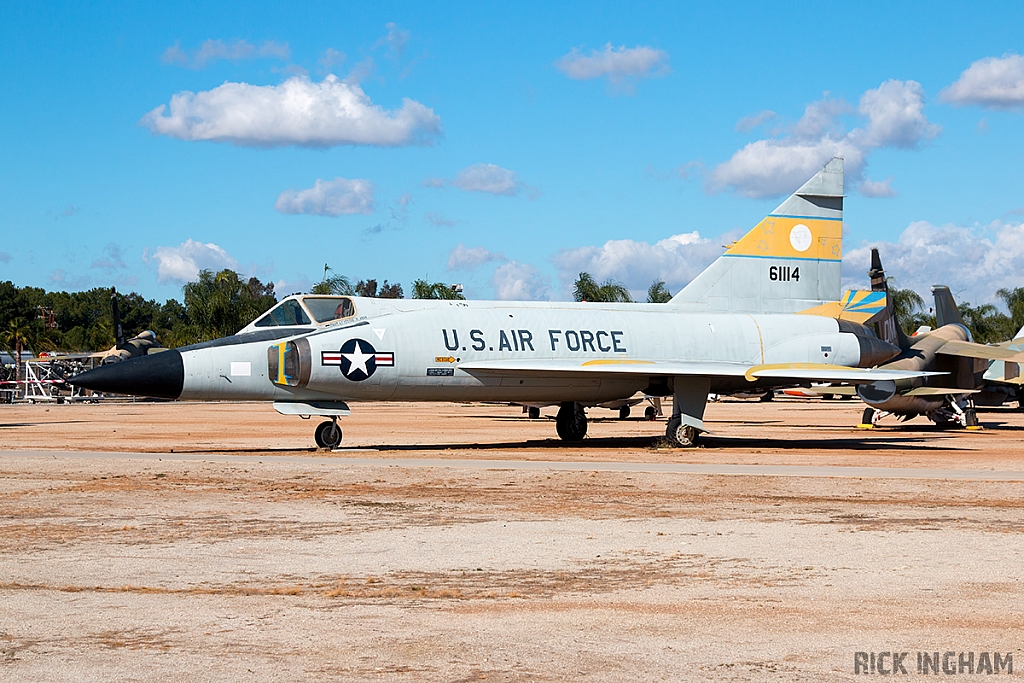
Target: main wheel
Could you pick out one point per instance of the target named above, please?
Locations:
(650, 413)
(868, 417)
(970, 418)
(624, 413)
(328, 434)
(770, 396)
(533, 412)
(682, 435)
(571, 422)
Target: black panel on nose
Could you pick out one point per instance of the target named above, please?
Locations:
(160, 375)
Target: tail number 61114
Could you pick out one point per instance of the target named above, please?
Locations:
(784, 274)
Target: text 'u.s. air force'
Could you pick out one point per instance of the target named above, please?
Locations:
(582, 341)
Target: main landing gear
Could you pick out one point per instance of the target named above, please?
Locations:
(689, 398)
(328, 434)
(571, 422)
(683, 435)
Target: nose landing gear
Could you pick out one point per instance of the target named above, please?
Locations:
(328, 434)
(571, 422)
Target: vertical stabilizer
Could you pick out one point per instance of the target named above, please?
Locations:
(887, 327)
(789, 262)
(946, 312)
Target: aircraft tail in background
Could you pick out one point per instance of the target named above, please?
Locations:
(788, 263)
(887, 327)
(946, 311)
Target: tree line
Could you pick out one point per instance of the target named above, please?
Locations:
(214, 305)
(219, 304)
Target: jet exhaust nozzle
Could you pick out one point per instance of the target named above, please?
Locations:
(161, 375)
(878, 392)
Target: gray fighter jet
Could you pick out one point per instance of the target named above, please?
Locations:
(767, 313)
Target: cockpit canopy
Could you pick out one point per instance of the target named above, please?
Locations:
(306, 310)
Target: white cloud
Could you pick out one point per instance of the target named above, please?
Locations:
(515, 281)
(465, 258)
(748, 123)
(298, 285)
(973, 262)
(111, 258)
(213, 50)
(329, 198)
(894, 114)
(992, 82)
(676, 260)
(877, 188)
(620, 66)
(767, 168)
(488, 178)
(297, 112)
(182, 263)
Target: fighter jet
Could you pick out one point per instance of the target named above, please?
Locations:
(945, 398)
(737, 326)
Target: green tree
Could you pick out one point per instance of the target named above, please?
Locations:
(336, 284)
(1014, 300)
(587, 289)
(368, 288)
(421, 289)
(220, 305)
(24, 334)
(986, 323)
(910, 310)
(658, 293)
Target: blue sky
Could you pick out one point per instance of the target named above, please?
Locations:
(504, 147)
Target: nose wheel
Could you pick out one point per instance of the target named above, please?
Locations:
(328, 434)
(571, 422)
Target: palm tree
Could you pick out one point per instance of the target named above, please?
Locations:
(336, 284)
(587, 289)
(909, 309)
(1014, 300)
(658, 293)
(22, 334)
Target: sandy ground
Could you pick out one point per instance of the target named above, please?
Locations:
(361, 565)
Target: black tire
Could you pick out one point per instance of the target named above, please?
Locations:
(971, 418)
(770, 396)
(650, 413)
(682, 436)
(624, 413)
(869, 414)
(328, 434)
(571, 422)
(533, 412)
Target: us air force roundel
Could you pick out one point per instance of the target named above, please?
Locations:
(357, 359)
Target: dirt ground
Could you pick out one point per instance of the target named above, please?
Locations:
(197, 560)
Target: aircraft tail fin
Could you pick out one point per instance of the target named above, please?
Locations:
(887, 327)
(789, 262)
(946, 312)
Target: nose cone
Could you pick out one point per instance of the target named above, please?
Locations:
(161, 375)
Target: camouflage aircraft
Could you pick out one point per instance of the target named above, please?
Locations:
(767, 313)
(946, 398)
